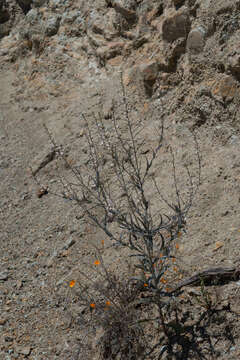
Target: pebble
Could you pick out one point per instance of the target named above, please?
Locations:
(4, 275)
(3, 321)
(70, 242)
(196, 40)
(24, 350)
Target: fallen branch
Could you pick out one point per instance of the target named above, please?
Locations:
(212, 276)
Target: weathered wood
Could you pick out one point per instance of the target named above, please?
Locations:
(211, 276)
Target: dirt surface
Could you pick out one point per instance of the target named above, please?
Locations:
(44, 240)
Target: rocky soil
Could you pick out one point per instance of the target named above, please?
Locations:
(59, 59)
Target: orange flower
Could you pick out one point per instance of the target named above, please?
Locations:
(92, 306)
(96, 262)
(108, 303)
(168, 289)
(102, 242)
(177, 246)
(72, 283)
(161, 255)
(163, 281)
(145, 284)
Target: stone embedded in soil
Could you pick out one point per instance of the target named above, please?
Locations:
(19, 284)
(126, 13)
(111, 50)
(145, 72)
(225, 88)
(24, 350)
(4, 275)
(3, 321)
(233, 64)
(149, 71)
(196, 40)
(176, 24)
(70, 242)
(52, 25)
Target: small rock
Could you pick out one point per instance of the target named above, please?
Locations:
(3, 321)
(98, 26)
(176, 24)
(51, 259)
(4, 275)
(149, 71)
(224, 6)
(19, 284)
(81, 133)
(96, 39)
(70, 17)
(224, 88)
(52, 25)
(32, 16)
(8, 338)
(24, 350)
(191, 291)
(218, 245)
(126, 13)
(42, 191)
(234, 139)
(110, 51)
(70, 242)
(196, 40)
(15, 356)
(233, 64)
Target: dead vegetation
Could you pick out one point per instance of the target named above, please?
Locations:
(112, 190)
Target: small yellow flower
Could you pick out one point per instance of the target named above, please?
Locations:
(175, 269)
(72, 283)
(96, 262)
